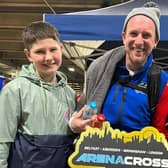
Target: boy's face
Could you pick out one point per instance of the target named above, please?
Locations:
(46, 55)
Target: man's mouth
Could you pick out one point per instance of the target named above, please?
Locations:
(139, 49)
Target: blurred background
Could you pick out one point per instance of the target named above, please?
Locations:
(16, 14)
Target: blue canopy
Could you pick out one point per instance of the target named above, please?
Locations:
(87, 27)
(102, 24)
(106, 24)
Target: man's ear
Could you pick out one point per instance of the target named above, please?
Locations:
(156, 43)
(123, 37)
(27, 53)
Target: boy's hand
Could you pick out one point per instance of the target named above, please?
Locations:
(77, 123)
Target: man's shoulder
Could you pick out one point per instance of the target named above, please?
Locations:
(112, 54)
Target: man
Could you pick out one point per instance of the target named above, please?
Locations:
(127, 108)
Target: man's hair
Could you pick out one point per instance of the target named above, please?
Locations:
(38, 31)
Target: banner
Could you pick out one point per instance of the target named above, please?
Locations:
(106, 148)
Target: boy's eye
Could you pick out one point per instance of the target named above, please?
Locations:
(40, 52)
(43, 52)
(53, 49)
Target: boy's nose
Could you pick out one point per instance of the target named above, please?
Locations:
(49, 58)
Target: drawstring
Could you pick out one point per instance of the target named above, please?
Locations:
(69, 111)
(43, 99)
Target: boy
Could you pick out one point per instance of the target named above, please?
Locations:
(33, 129)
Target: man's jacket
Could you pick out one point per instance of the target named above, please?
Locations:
(125, 108)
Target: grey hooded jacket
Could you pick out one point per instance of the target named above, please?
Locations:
(100, 74)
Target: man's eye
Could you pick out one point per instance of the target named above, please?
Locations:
(145, 36)
(133, 34)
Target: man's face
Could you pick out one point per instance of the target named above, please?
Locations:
(139, 39)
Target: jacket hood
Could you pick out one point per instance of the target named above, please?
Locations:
(28, 71)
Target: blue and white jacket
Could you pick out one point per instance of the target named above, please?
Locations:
(125, 108)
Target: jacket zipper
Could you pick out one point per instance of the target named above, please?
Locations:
(121, 106)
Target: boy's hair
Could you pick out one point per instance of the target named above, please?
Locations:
(38, 31)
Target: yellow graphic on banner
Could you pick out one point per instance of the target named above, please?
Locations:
(107, 147)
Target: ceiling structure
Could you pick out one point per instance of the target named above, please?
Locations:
(73, 27)
(16, 14)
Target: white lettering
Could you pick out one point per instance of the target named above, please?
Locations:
(128, 160)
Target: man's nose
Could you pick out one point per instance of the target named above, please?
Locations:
(139, 39)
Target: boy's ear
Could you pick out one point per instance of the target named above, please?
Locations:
(61, 46)
(27, 53)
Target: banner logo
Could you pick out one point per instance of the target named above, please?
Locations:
(106, 148)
